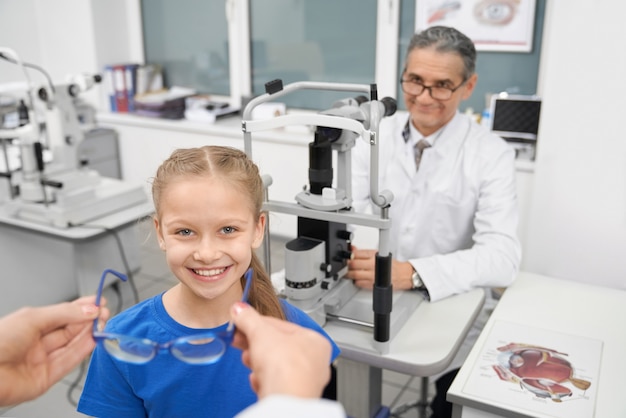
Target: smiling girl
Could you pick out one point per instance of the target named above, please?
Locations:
(209, 222)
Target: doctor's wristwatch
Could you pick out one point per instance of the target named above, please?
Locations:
(417, 282)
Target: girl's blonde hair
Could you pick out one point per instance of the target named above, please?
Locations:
(234, 166)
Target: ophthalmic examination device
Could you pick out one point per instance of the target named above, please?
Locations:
(316, 260)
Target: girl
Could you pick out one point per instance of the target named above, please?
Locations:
(208, 221)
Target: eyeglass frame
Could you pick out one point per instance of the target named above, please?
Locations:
(429, 88)
(225, 336)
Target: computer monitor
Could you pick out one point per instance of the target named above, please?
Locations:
(516, 119)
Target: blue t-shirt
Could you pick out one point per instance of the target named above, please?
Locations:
(166, 386)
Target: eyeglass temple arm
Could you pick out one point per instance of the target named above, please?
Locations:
(119, 275)
(101, 285)
(244, 296)
(246, 289)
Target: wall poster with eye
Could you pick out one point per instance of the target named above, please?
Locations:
(493, 25)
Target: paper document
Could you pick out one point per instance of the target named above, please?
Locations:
(537, 371)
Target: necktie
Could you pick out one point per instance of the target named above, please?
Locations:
(419, 150)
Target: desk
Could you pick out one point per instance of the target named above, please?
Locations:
(426, 345)
(43, 264)
(573, 309)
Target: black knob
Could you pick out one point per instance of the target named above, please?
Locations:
(343, 234)
(346, 255)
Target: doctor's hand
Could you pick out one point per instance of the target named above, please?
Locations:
(285, 358)
(361, 270)
(39, 346)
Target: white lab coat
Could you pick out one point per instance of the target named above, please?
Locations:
(282, 406)
(455, 220)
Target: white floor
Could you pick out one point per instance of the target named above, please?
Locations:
(153, 278)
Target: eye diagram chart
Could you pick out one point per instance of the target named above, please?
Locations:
(493, 25)
(542, 372)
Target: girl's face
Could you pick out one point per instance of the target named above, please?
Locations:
(208, 232)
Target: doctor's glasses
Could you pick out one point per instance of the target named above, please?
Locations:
(415, 87)
(202, 348)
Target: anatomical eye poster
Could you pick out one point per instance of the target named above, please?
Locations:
(542, 372)
(493, 25)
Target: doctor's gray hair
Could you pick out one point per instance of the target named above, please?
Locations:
(446, 39)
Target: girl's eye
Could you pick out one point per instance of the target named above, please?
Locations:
(228, 230)
(184, 232)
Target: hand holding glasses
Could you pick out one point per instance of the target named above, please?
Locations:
(203, 348)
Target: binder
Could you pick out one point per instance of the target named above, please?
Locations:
(131, 85)
(109, 87)
(149, 78)
(121, 95)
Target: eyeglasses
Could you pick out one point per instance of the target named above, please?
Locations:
(203, 348)
(415, 88)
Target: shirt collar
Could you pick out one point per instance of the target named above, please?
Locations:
(410, 131)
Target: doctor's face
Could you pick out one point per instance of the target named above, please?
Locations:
(431, 68)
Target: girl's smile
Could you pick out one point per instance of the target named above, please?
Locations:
(210, 275)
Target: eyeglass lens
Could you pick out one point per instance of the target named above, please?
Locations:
(204, 348)
(437, 93)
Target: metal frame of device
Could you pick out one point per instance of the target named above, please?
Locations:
(333, 207)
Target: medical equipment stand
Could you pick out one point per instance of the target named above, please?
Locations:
(335, 205)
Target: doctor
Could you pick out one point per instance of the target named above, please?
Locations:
(454, 212)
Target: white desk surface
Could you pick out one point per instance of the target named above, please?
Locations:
(424, 346)
(565, 307)
(121, 217)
